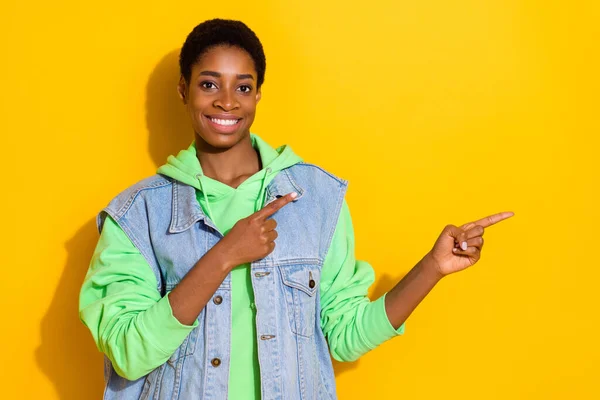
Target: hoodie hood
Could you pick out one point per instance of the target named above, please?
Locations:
(212, 194)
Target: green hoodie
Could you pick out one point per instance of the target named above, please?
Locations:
(352, 324)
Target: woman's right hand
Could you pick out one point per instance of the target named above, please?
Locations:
(253, 237)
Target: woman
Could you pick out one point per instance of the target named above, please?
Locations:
(188, 296)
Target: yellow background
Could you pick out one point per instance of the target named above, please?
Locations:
(437, 112)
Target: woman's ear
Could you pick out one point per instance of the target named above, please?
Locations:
(182, 90)
(258, 95)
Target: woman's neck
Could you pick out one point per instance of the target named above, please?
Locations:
(230, 166)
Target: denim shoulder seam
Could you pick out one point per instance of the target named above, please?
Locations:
(337, 211)
(154, 182)
(136, 243)
(303, 164)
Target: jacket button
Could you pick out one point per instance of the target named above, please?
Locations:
(311, 283)
(215, 362)
(217, 300)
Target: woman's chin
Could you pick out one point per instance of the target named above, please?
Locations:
(221, 140)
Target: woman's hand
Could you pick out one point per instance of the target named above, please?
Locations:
(253, 237)
(458, 248)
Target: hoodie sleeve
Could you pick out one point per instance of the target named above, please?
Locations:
(120, 304)
(351, 322)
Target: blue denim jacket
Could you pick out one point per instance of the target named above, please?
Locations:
(164, 221)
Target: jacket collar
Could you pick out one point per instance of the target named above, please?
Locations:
(186, 210)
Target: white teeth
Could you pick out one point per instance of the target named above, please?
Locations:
(226, 122)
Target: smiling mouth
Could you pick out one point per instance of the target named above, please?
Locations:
(224, 122)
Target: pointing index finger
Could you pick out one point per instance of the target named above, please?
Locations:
(493, 219)
(275, 205)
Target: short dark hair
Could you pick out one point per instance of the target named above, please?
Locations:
(218, 32)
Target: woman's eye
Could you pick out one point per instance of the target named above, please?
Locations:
(208, 85)
(245, 89)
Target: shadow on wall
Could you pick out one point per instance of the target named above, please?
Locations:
(67, 354)
(168, 125)
(381, 286)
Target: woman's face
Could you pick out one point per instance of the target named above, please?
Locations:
(221, 96)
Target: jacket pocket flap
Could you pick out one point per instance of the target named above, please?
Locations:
(302, 277)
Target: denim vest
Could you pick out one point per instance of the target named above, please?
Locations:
(163, 219)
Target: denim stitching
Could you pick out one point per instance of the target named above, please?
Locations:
(125, 207)
(159, 377)
(175, 216)
(290, 261)
(338, 208)
(298, 188)
(151, 263)
(340, 180)
(298, 285)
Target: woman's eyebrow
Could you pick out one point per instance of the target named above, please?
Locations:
(218, 75)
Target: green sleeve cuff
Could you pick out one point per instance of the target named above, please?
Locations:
(162, 328)
(377, 327)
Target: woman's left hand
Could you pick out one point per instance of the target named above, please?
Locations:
(458, 248)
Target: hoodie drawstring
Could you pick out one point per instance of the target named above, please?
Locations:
(210, 214)
(258, 204)
(260, 198)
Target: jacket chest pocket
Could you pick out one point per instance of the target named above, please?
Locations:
(300, 287)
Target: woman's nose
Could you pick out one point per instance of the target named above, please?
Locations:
(226, 101)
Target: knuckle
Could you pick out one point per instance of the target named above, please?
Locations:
(268, 248)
